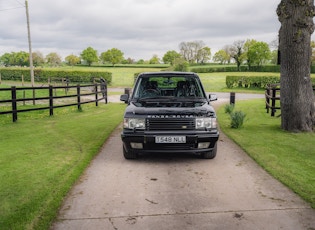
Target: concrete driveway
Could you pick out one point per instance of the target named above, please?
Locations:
(180, 192)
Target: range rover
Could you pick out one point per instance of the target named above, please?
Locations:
(169, 112)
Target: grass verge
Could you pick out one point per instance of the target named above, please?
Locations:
(42, 158)
(289, 157)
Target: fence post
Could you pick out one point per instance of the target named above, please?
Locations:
(0, 78)
(232, 98)
(14, 106)
(67, 83)
(273, 101)
(267, 93)
(51, 101)
(79, 97)
(96, 94)
(104, 89)
(34, 96)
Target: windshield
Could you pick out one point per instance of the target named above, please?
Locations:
(184, 86)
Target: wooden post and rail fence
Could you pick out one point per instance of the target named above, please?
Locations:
(91, 93)
(272, 95)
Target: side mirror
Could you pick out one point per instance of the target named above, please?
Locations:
(213, 97)
(124, 97)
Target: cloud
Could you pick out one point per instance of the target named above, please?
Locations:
(140, 28)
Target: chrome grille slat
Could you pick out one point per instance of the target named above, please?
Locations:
(170, 124)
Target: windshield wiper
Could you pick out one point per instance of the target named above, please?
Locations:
(155, 98)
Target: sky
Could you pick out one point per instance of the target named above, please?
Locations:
(139, 28)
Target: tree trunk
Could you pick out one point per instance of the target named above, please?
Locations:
(297, 96)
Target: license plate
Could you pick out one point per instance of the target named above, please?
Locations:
(170, 139)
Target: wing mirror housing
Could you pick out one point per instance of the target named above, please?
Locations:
(125, 98)
(213, 97)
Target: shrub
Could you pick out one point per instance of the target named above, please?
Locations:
(229, 108)
(181, 65)
(237, 119)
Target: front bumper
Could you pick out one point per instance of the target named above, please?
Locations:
(146, 142)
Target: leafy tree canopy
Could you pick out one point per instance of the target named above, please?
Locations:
(89, 55)
(53, 59)
(256, 52)
(221, 56)
(170, 57)
(113, 56)
(15, 59)
(72, 60)
(155, 60)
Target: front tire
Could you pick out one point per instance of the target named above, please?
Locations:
(210, 154)
(129, 154)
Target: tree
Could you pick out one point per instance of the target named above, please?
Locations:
(113, 56)
(128, 61)
(38, 59)
(237, 53)
(140, 62)
(229, 50)
(256, 52)
(21, 58)
(190, 50)
(15, 59)
(203, 55)
(297, 97)
(53, 59)
(260, 53)
(89, 55)
(154, 60)
(170, 57)
(221, 56)
(6, 59)
(274, 44)
(248, 55)
(72, 59)
(274, 57)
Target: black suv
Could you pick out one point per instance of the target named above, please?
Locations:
(169, 112)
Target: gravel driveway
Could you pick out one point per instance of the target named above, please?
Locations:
(180, 192)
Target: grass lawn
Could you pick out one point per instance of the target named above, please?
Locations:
(289, 157)
(42, 158)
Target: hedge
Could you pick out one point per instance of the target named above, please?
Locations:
(216, 69)
(243, 68)
(43, 75)
(253, 81)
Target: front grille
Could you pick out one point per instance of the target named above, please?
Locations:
(170, 124)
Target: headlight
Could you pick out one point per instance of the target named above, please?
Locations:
(134, 123)
(206, 122)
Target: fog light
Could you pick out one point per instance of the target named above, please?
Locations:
(203, 145)
(135, 145)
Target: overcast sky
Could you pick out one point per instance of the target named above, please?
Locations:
(139, 28)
